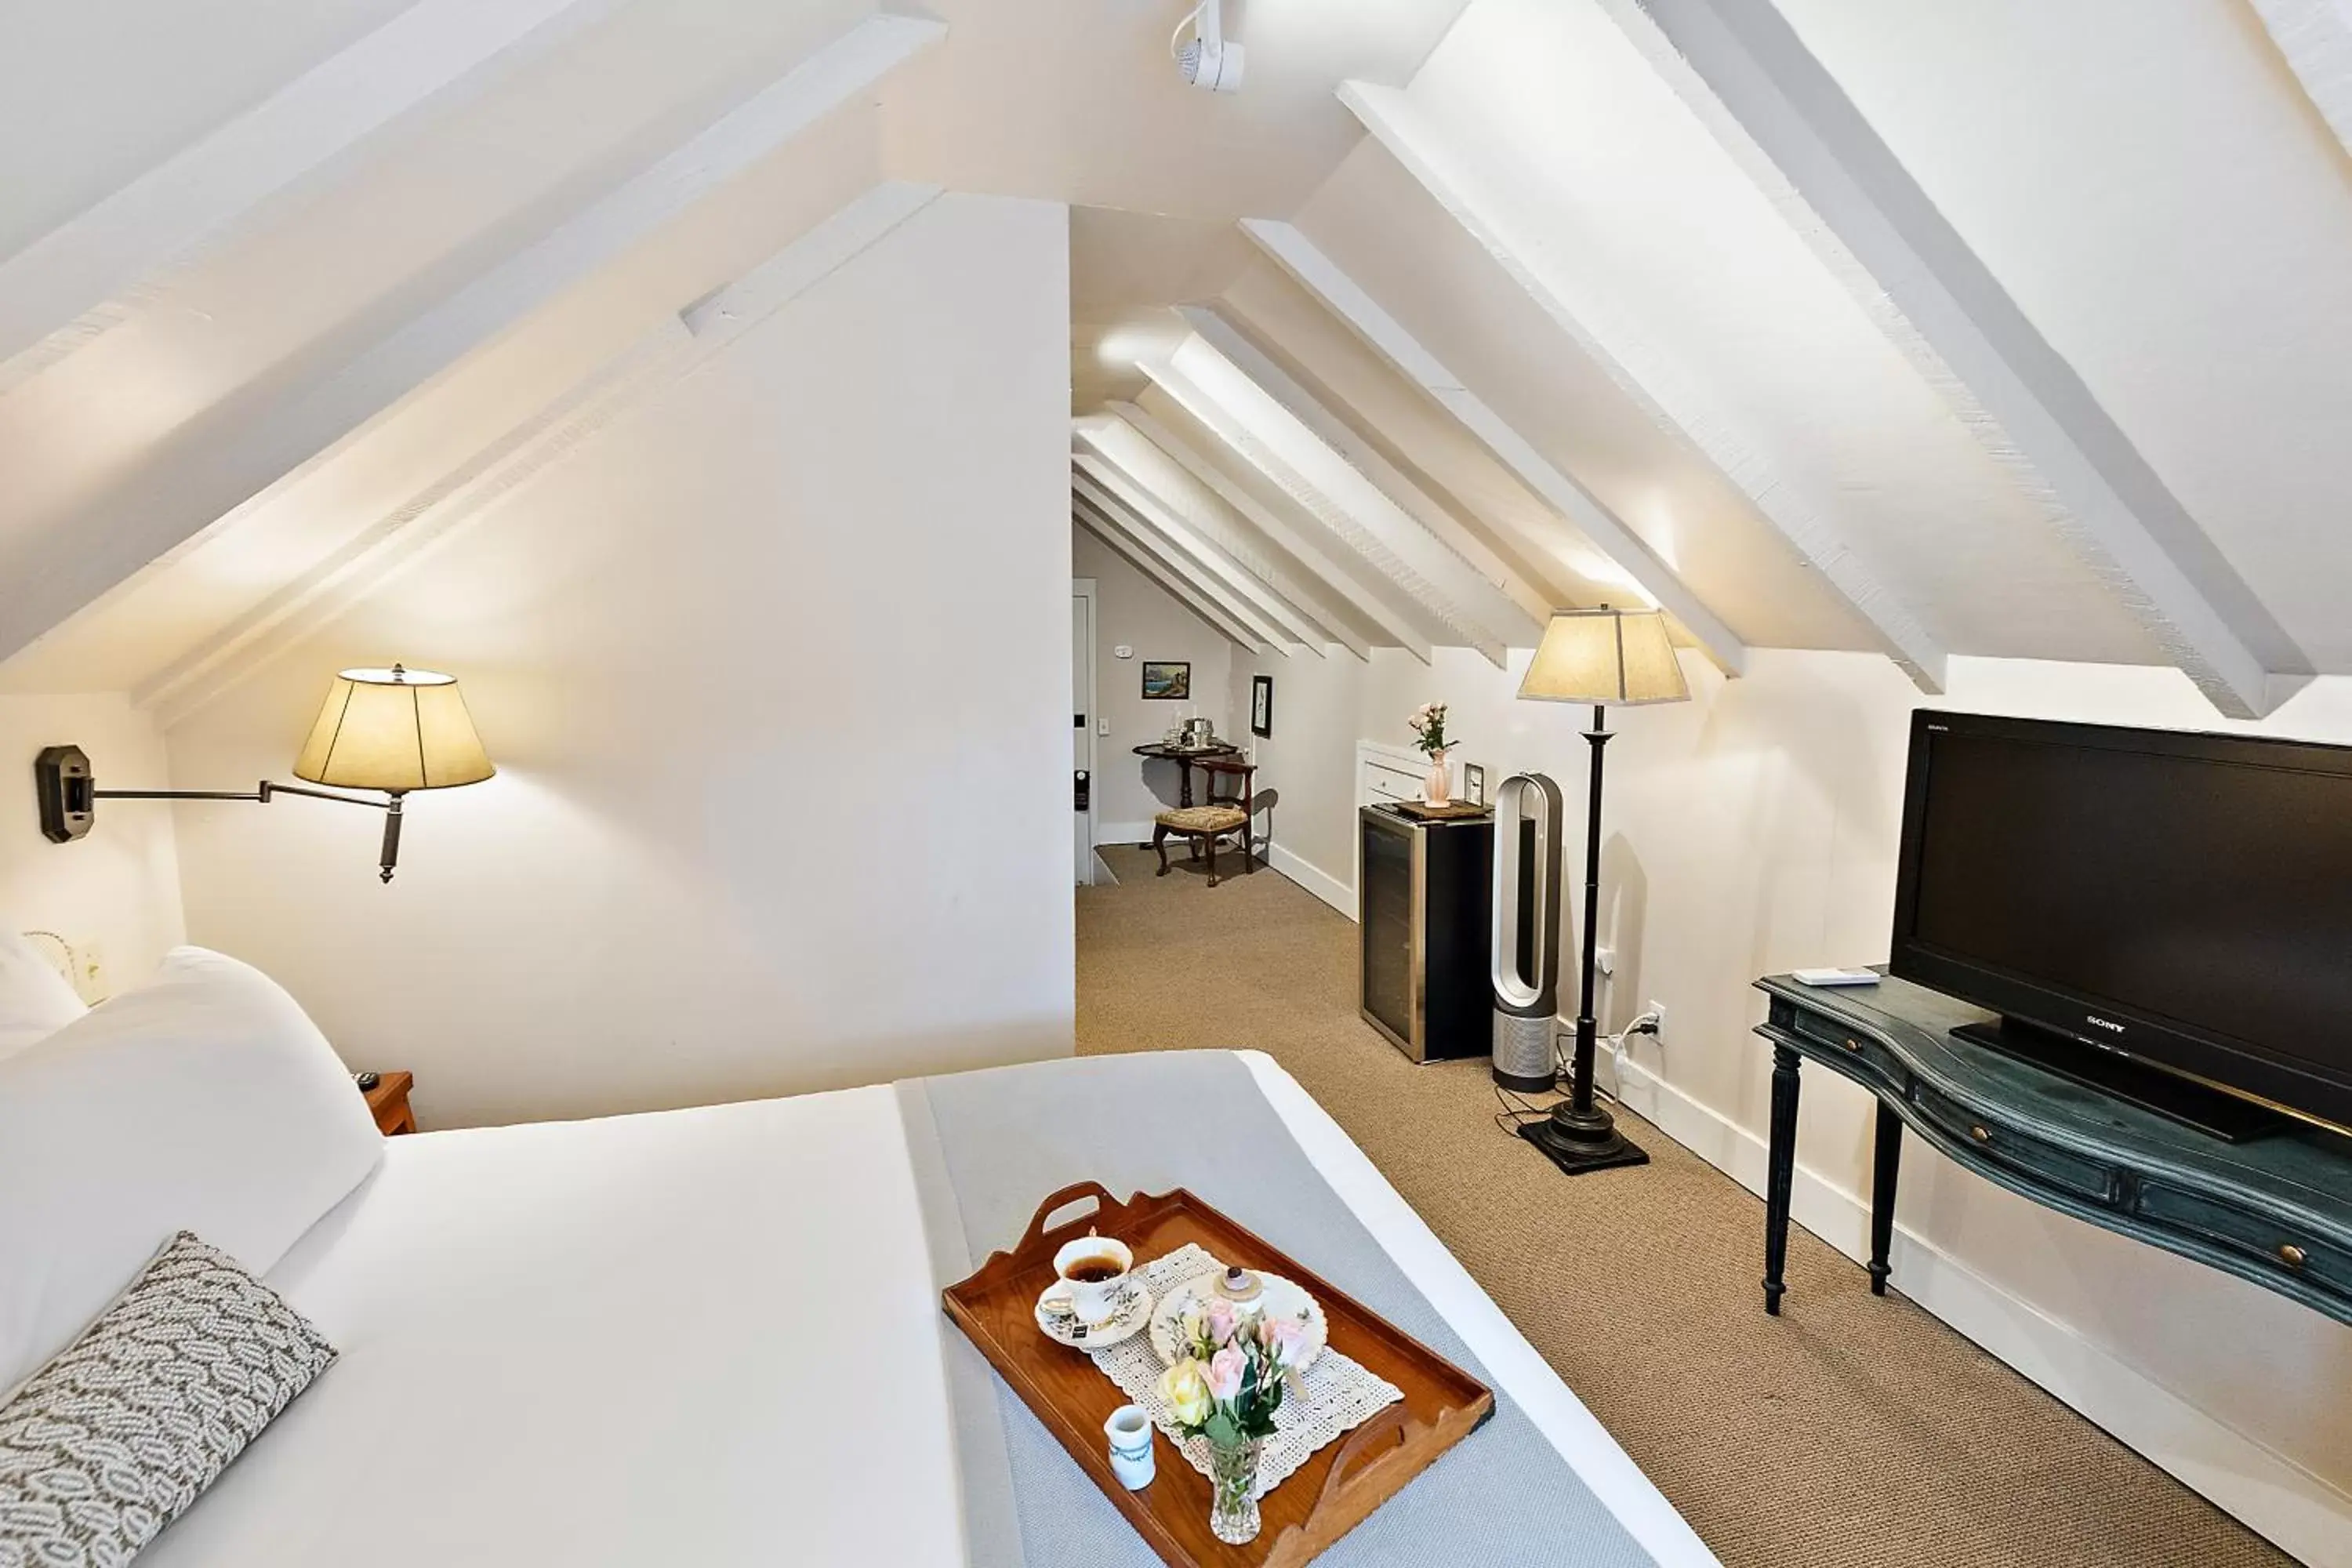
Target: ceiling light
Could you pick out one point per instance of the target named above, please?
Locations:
(1208, 60)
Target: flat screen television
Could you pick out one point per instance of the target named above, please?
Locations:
(2130, 899)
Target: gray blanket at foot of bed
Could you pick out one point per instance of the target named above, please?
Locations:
(989, 1146)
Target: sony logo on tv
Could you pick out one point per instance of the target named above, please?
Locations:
(2107, 1023)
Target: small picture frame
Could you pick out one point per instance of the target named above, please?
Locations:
(1474, 784)
(1167, 680)
(1262, 706)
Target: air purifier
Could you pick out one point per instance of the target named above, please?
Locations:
(1526, 945)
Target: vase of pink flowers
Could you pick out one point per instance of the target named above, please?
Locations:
(1231, 1369)
(1429, 734)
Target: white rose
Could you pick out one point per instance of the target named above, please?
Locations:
(1187, 1393)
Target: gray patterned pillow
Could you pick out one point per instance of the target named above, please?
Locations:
(116, 1437)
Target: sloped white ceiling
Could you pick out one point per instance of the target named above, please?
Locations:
(2151, 186)
(1542, 307)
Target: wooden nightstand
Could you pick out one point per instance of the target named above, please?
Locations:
(389, 1100)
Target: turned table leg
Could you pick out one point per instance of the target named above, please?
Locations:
(1887, 1155)
(1779, 1173)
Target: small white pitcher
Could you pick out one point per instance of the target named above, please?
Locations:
(1130, 1431)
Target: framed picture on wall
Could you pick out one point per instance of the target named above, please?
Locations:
(1262, 706)
(1167, 680)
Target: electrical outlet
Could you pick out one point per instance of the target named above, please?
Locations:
(1657, 1010)
(1102, 726)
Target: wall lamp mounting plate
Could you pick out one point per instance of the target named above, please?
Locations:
(62, 778)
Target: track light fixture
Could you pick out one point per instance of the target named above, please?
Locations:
(1203, 53)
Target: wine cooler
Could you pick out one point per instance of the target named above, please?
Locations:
(1424, 902)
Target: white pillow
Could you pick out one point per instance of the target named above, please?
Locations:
(205, 1100)
(35, 1000)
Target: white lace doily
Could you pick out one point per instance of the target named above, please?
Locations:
(1341, 1393)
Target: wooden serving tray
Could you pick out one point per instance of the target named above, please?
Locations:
(1319, 1502)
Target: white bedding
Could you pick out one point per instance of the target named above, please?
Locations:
(703, 1337)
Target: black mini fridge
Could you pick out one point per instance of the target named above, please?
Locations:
(1424, 901)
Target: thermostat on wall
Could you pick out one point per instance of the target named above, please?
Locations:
(1123, 651)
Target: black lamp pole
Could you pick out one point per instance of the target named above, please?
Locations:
(1579, 1135)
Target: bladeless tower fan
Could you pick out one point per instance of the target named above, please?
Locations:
(1526, 946)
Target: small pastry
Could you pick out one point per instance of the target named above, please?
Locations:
(1239, 1284)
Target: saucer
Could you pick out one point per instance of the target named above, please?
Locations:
(1283, 1300)
(1060, 1325)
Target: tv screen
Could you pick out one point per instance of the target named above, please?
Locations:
(2184, 899)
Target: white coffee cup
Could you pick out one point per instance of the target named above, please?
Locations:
(1130, 1431)
(1094, 1301)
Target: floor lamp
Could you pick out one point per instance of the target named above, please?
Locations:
(1602, 656)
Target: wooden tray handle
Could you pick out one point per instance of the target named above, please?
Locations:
(1387, 1432)
(1340, 1508)
(1036, 1235)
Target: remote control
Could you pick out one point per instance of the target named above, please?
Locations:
(1837, 976)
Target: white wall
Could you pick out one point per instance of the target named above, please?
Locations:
(774, 670)
(1755, 829)
(1133, 610)
(115, 894)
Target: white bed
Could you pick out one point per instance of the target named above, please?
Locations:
(699, 1337)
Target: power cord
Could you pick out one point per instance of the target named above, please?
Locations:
(1516, 1110)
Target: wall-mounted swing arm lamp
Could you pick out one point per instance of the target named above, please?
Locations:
(393, 729)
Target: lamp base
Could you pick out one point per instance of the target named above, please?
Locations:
(1581, 1143)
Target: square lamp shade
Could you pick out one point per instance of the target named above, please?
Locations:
(394, 729)
(1613, 657)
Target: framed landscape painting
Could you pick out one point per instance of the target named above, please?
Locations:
(1169, 680)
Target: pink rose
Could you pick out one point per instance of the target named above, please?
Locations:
(1225, 1370)
(1289, 1338)
(1221, 1320)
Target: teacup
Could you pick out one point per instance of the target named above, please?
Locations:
(1093, 1270)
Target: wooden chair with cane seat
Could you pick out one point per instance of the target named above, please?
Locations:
(1230, 804)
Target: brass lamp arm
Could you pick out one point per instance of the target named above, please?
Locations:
(68, 800)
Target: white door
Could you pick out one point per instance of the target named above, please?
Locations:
(1082, 726)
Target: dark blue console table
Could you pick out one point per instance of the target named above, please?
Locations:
(2276, 1210)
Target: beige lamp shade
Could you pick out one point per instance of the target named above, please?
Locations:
(394, 729)
(1613, 658)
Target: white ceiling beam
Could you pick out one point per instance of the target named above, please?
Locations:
(1144, 531)
(1489, 589)
(440, 509)
(1225, 333)
(1339, 293)
(222, 464)
(1247, 419)
(1645, 374)
(1147, 503)
(1740, 67)
(1298, 543)
(72, 283)
(1172, 582)
(2316, 36)
(1128, 450)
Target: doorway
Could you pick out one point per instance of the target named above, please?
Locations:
(1082, 727)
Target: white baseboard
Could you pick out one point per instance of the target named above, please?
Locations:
(1314, 879)
(1122, 833)
(2270, 1494)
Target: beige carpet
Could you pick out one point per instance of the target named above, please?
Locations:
(1854, 1430)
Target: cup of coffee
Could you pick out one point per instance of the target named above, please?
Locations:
(1093, 1269)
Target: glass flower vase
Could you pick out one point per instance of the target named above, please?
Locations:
(1233, 1477)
